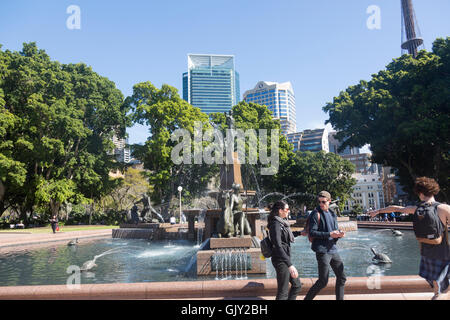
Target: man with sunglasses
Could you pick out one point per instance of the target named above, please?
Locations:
(323, 228)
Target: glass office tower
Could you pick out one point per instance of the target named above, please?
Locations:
(279, 98)
(211, 83)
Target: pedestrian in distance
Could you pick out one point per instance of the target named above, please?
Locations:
(54, 222)
(324, 233)
(434, 249)
(281, 237)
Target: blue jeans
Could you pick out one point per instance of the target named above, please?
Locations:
(324, 261)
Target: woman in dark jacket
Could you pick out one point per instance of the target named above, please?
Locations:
(281, 237)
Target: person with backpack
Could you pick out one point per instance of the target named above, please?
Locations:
(430, 224)
(281, 238)
(322, 228)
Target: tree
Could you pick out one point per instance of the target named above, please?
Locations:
(165, 112)
(403, 112)
(252, 116)
(56, 123)
(123, 197)
(311, 172)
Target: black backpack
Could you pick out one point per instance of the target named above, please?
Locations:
(266, 247)
(427, 225)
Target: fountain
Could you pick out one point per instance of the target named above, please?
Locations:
(231, 233)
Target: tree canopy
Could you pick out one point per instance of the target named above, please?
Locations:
(56, 127)
(403, 112)
(164, 112)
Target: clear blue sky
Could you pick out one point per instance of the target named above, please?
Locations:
(321, 46)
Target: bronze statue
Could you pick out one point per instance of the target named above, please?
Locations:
(241, 224)
(225, 226)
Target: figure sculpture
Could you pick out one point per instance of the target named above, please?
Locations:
(225, 225)
(241, 224)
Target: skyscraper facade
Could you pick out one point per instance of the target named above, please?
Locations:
(279, 98)
(315, 140)
(211, 82)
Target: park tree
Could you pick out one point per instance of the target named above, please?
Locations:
(131, 190)
(403, 112)
(252, 116)
(164, 112)
(308, 173)
(56, 123)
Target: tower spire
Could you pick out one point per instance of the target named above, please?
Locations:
(411, 37)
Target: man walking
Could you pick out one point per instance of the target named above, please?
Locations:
(323, 229)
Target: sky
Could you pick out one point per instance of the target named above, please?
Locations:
(320, 46)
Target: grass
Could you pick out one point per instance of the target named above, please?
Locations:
(61, 228)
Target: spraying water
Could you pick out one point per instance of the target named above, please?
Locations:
(88, 265)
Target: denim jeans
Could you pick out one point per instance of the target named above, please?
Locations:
(324, 261)
(283, 280)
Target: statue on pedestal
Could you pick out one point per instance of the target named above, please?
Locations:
(225, 226)
(241, 224)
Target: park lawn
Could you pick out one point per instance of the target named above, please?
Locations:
(61, 229)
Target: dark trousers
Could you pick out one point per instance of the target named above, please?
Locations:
(54, 227)
(324, 261)
(283, 280)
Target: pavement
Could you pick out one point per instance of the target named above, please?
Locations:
(10, 240)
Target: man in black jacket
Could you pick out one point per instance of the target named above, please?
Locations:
(323, 228)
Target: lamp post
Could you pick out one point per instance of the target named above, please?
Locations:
(180, 188)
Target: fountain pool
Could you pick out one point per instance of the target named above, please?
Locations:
(143, 261)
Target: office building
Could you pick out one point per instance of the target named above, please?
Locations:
(334, 145)
(367, 193)
(121, 151)
(211, 82)
(279, 99)
(295, 139)
(315, 140)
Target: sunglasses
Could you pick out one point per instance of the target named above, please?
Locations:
(323, 201)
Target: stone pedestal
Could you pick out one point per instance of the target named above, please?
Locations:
(256, 265)
(235, 242)
(238, 256)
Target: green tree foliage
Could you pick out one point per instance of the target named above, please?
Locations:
(312, 172)
(122, 198)
(164, 112)
(403, 112)
(56, 127)
(254, 116)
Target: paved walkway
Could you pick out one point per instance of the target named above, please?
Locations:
(19, 238)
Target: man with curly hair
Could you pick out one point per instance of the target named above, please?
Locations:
(435, 258)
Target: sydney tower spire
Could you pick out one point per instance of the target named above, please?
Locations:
(411, 37)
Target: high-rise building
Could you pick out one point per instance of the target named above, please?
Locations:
(295, 139)
(334, 145)
(279, 98)
(309, 140)
(362, 163)
(315, 140)
(121, 151)
(367, 193)
(211, 82)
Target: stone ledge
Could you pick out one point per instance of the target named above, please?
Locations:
(209, 289)
(234, 242)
